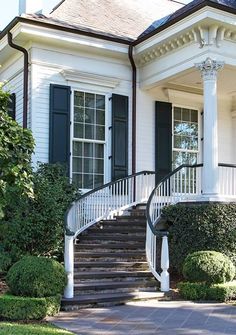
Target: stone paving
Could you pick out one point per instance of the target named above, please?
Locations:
(152, 317)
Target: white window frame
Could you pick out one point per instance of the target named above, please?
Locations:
(105, 142)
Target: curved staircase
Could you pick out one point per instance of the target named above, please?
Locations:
(110, 263)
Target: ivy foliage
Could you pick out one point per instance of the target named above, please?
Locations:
(199, 227)
(16, 148)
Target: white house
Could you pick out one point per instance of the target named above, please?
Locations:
(112, 88)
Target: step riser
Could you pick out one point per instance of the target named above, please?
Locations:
(115, 290)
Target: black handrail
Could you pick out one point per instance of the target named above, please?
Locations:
(154, 231)
(67, 230)
(227, 165)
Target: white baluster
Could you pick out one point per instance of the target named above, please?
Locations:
(69, 266)
(165, 277)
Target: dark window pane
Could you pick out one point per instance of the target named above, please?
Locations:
(79, 114)
(88, 150)
(88, 165)
(194, 116)
(78, 130)
(79, 98)
(100, 133)
(89, 115)
(177, 142)
(89, 132)
(194, 143)
(88, 181)
(99, 150)
(100, 117)
(100, 101)
(89, 100)
(185, 114)
(178, 127)
(77, 148)
(77, 179)
(98, 180)
(77, 164)
(177, 113)
(98, 166)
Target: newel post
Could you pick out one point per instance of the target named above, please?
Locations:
(69, 265)
(165, 277)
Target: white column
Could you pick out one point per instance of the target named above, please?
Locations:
(69, 266)
(210, 182)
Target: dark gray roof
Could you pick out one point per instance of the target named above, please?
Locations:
(189, 7)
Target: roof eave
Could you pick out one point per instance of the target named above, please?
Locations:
(183, 16)
(19, 19)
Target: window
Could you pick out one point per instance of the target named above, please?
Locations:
(88, 140)
(185, 136)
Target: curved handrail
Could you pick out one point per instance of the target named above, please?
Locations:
(227, 165)
(172, 173)
(120, 188)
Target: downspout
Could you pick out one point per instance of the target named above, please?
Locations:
(134, 102)
(26, 76)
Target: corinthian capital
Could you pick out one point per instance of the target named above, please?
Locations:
(209, 68)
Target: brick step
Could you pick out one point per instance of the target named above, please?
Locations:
(141, 224)
(127, 265)
(109, 246)
(119, 286)
(123, 254)
(132, 275)
(96, 300)
(117, 229)
(111, 237)
(137, 212)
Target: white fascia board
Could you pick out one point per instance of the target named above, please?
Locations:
(75, 39)
(203, 14)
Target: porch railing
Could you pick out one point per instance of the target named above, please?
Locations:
(184, 183)
(227, 180)
(104, 202)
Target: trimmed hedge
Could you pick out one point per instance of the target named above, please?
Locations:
(198, 227)
(25, 308)
(36, 277)
(211, 267)
(201, 291)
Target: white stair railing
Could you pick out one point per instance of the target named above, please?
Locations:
(183, 184)
(227, 180)
(104, 202)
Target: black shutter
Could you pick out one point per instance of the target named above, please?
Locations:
(119, 136)
(163, 139)
(11, 108)
(59, 125)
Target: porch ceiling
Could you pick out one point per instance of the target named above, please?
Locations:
(190, 81)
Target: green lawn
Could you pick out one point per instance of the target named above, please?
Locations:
(13, 328)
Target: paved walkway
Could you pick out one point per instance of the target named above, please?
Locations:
(147, 318)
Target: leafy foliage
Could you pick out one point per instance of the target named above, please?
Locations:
(25, 308)
(16, 148)
(201, 227)
(36, 277)
(202, 291)
(210, 267)
(35, 226)
(5, 262)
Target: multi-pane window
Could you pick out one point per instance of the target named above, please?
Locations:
(185, 148)
(185, 136)
(88, 140)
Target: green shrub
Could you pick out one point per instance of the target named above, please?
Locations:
(36, 226)
(202, 291)
(36, 277)
(25, 308)
(211, 267)
(201, 227)
(5, 262)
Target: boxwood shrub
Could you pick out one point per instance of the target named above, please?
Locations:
(202, 291)
(5, 262)
(211, 267)
(195, 227)
(25, 308)
(36, 277)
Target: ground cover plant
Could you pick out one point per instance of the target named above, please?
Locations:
(13, 328)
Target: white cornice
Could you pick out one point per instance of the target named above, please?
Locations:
(90, 78)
